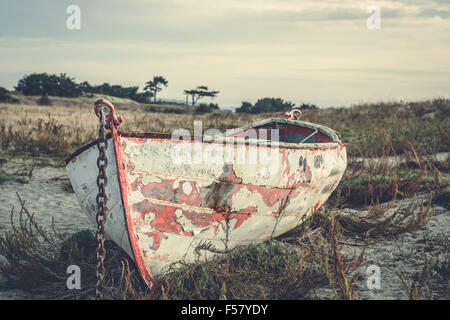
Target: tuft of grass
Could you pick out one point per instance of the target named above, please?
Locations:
(6, 177)
(377, 223)
(35, 260)
(418, 286)
(319, 239)
(440, 241)
(443, 197)
(337, 277)
(271, 270)
(370, 181)
(67, 187)
(20, 176)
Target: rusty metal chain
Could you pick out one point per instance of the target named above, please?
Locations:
(102, 181)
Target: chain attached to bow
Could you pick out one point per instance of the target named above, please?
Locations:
(102, 199)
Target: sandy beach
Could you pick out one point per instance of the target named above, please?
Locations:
(44, 195)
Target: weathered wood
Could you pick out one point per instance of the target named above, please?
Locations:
(168, 208)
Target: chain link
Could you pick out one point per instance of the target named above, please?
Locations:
(102, 181)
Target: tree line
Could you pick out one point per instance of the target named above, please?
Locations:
(62, 85)
(270, 105)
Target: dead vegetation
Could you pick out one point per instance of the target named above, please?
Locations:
(370, 131)
(35, 260)
(391, 150)
(375, 180)
(418, 286)
(385, 222)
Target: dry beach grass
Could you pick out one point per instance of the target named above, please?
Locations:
(396, 188)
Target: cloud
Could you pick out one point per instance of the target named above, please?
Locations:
(203, 20)
(432, 13)
(246, 49)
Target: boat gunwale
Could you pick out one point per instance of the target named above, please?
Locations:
(336, 142)
(332, 134)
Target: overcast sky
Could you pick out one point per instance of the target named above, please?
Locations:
(303, 51)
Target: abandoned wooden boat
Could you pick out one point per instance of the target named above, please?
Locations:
(167, 194)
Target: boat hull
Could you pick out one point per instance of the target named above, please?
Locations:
(169, 196)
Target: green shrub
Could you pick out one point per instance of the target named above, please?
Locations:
(5, 96)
